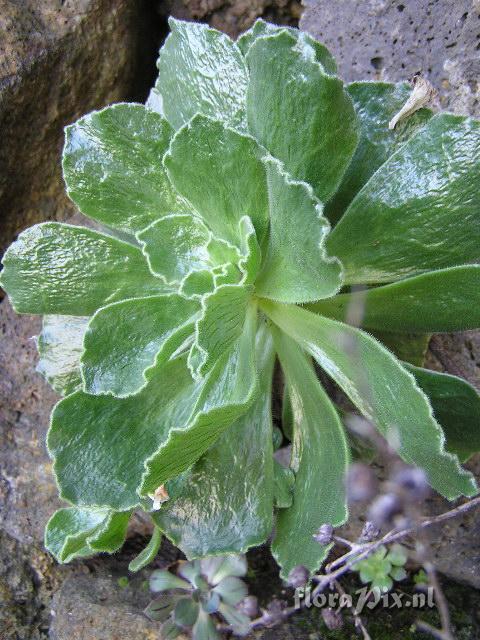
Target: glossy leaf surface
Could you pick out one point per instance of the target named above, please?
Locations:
(95, 466)
(76, 533)
(220, 171)
(126, 339)
(60, 347)
(319, 461)
(201, 71)
(296, 267)
(223, 396)
(456, 405)
(383, 391)
(56, 268)
(419, 211)
(175, 246)
(112, 167)
(429, 303)
(261, 28)
(225, 503)
(375, 104)
(302, 115)
(221, 323)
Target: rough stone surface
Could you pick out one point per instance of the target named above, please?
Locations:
(393, 39)
(233, 16)
(59, 60)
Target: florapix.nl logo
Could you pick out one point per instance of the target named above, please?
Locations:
(366, 597)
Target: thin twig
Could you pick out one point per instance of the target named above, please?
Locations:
(362, 551)
(356, 618)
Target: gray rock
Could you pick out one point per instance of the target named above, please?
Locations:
(393, 39)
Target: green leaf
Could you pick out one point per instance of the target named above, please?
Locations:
(301, 115)
(217, 568)
(162, 580)
(238, 471)
(319, 460)
(406, 346)
(239, 621)
(397, 555)
(160, 609)
(126, 340)
(76, 533)
(204, 628)
(147, 555)
(398, 574)
(198, 283)
(375, 105)
(201, 71)
(287, 414)
(251, 259)
(221, 324)
(226, 394)
(175, 246)
(112, 167)
(296, 267)
(443, 300)
(284, 484)
(456, 406)
(56, 268)
(383, 390)
(60, 346)
(232, 590)
(220, 172)
(304, 40)
(104, 466)
(186, 612)
(169, 630)
(419, 211)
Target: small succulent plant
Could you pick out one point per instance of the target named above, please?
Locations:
(383, 567)
(200, 592)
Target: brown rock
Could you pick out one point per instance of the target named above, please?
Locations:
(61, 59)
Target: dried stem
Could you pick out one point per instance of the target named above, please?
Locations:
(361, 551)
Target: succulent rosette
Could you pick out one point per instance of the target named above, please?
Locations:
(235, 214)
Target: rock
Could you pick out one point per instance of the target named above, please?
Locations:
(96, 606)
(376, 39)
(28, 495)
(233, 16)
(61, 59)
